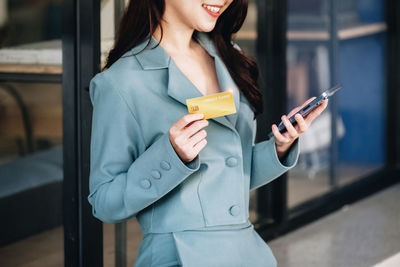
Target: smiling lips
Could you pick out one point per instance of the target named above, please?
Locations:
(213, 10)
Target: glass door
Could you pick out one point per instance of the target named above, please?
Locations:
(331, 42)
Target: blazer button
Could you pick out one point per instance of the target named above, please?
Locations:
(145, 183)
(234, 210)
(231, 162)
(156, 174)
(165, 165)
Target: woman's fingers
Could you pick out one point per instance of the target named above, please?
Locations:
(289, 127)
(304, 123)
(194, 128)
(297, 109)
(187, 137)
(278, 136)
(187, 119)
(301, 124)
(199, 146)
(284, 141)
(316, 112)
(308, 101)
(199, 136)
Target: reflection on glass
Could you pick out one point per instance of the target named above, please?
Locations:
(246, 37)
(31, 162)
(314, 14)
(307, 76)
(360, 119)
(43, 117)
(361, 106)
(30, 36)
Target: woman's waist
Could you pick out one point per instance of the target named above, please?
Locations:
(226, 227)
(156, 220)
(178, 212)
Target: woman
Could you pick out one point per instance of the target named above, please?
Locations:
(186, 179)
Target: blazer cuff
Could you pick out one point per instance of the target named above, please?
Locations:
(266, 165)
(289, 160)
(194, 164)
(156, 172)
(189, 167)
(291, 157)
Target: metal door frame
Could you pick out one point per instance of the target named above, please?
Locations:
(83, 234)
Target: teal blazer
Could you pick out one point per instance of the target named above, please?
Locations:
(134, 169)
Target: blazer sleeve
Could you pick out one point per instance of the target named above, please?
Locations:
(125, 176)
(265, 165)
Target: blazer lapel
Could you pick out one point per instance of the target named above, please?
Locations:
(151, 57)
(224, 78)
(226, 83)
(179, 86)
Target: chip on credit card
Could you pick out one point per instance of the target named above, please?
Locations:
(212, 106)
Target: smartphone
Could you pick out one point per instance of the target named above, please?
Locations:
(307, 109)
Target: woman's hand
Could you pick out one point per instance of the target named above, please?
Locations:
(285, 140)
(187, 136)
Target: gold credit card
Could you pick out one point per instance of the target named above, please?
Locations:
(212, 106)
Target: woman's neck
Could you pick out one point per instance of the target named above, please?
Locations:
(176, 37)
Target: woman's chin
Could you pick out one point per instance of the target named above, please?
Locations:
(206, 27)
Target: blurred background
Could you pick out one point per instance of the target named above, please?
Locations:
(50, 49)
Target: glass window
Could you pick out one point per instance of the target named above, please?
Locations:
(360, 113)
(31, 162)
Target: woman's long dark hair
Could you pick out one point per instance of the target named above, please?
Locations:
(142, 17)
